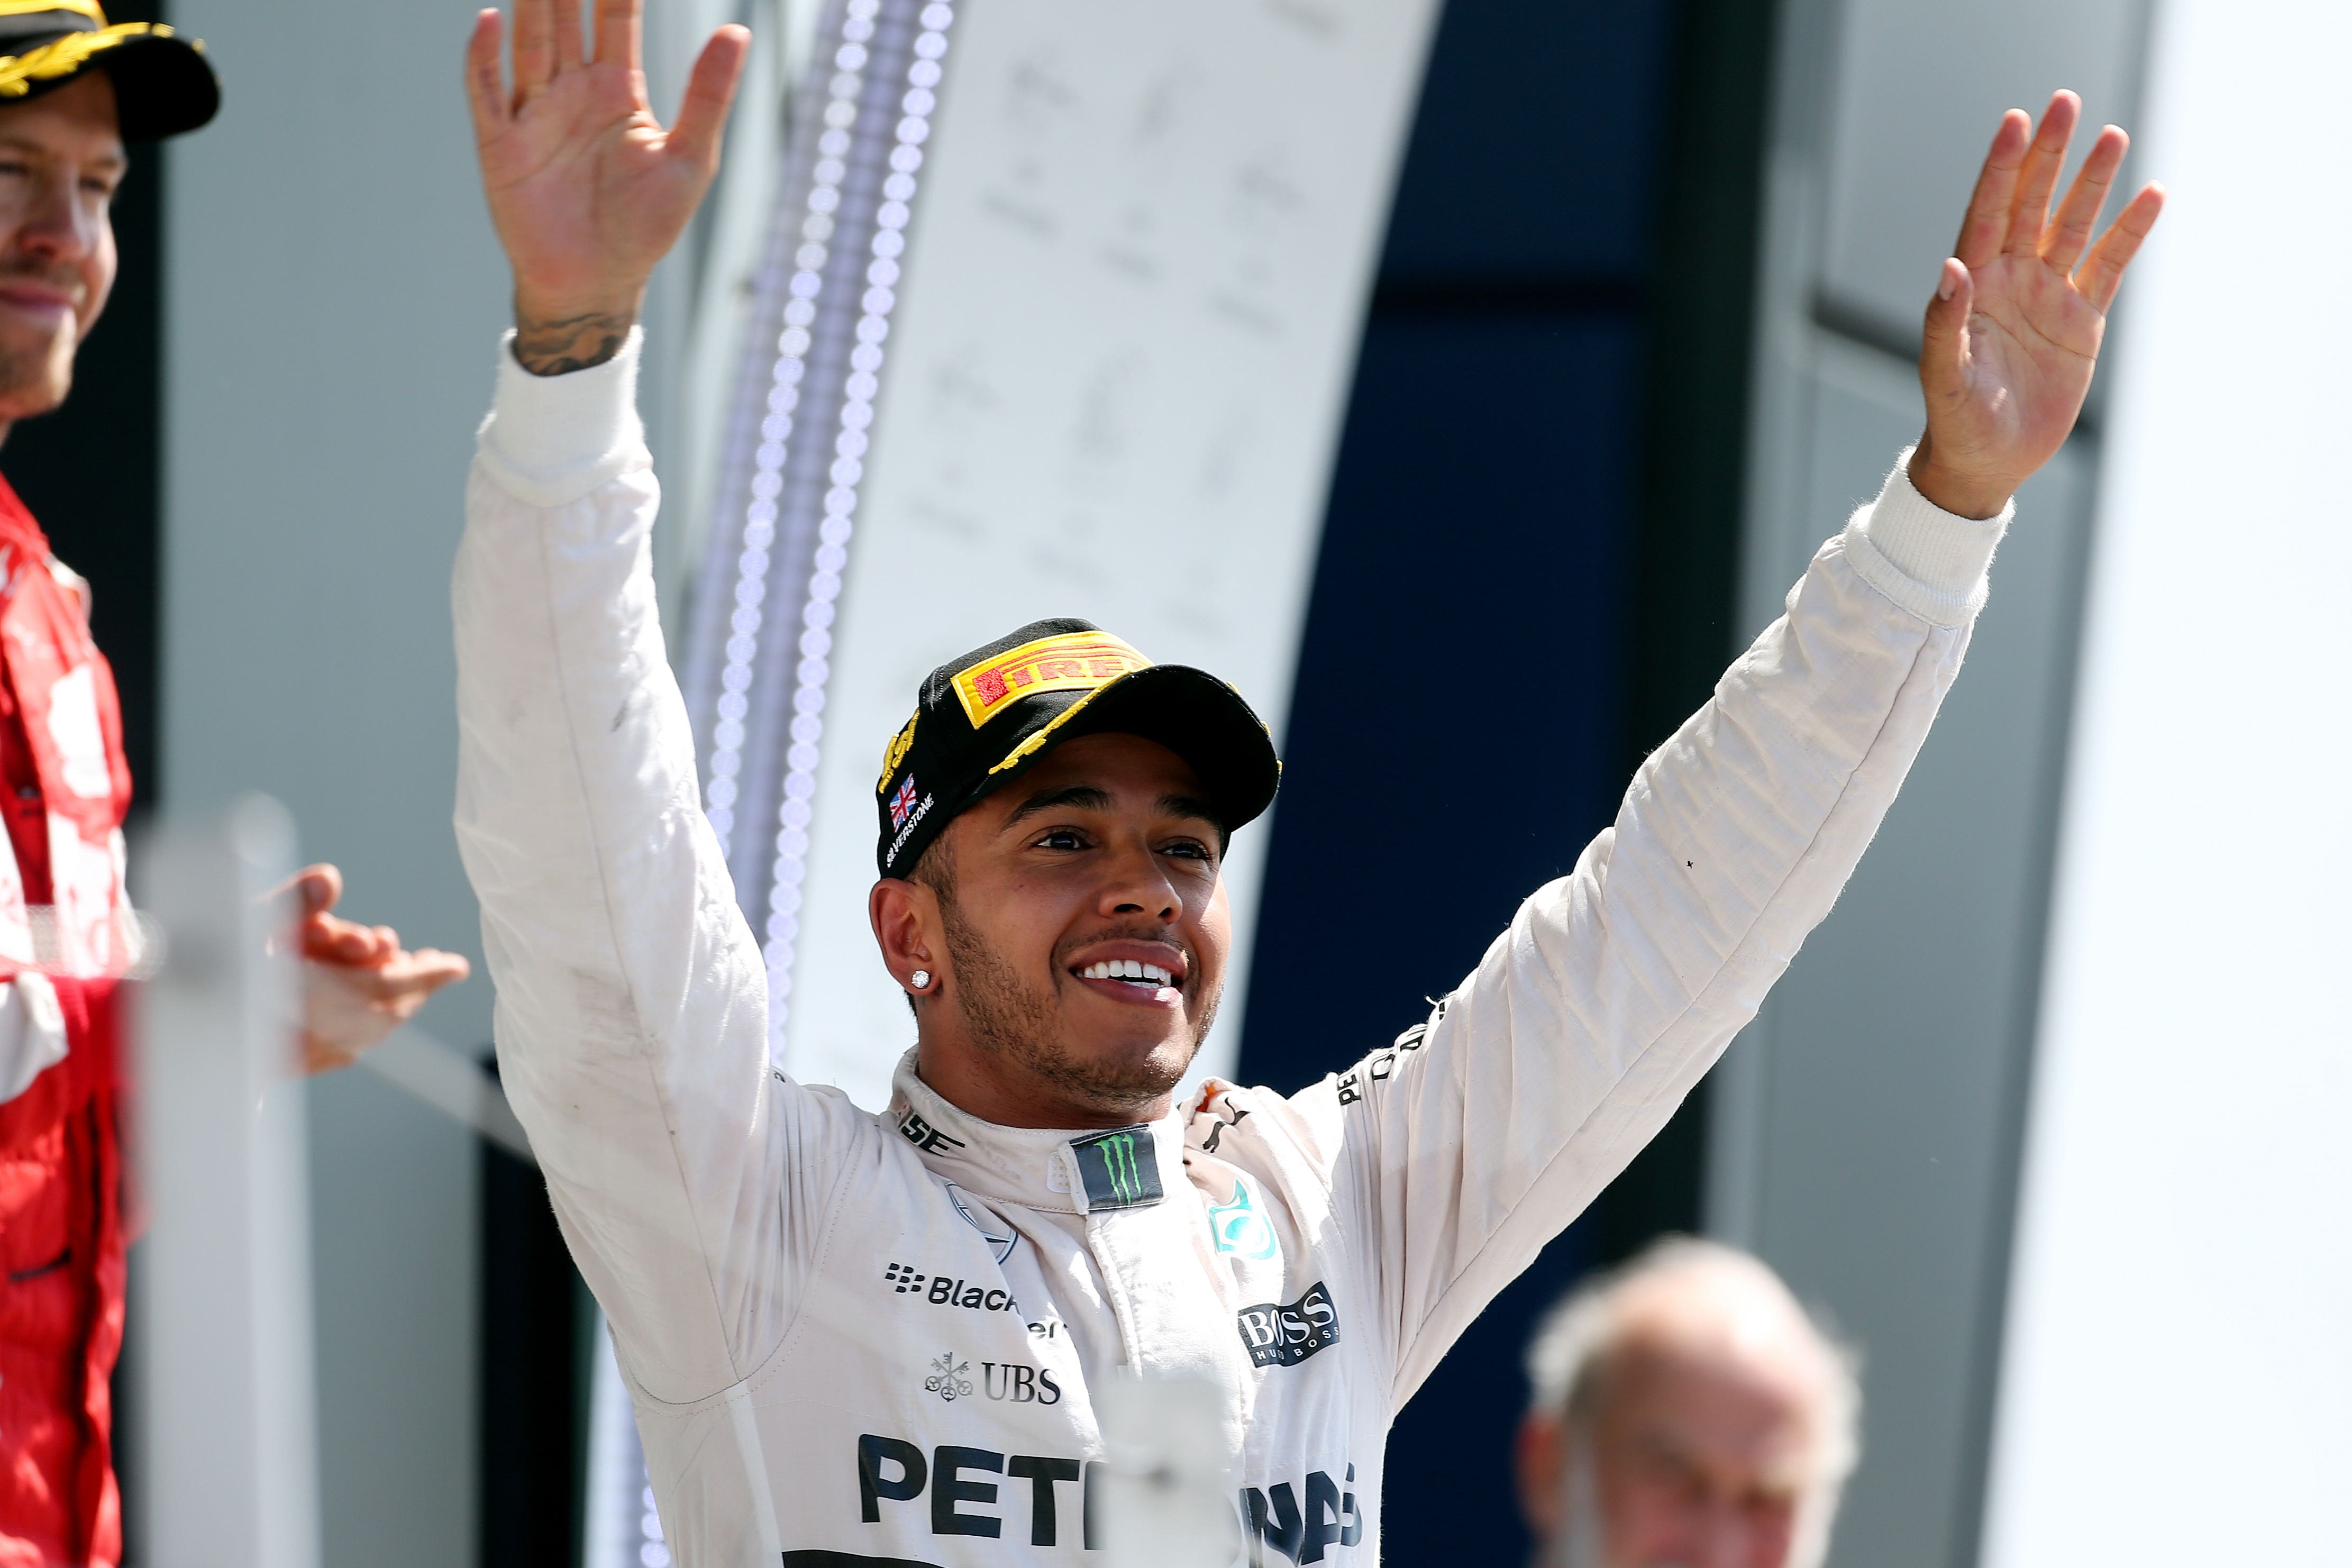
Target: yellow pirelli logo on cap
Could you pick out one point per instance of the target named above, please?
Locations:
(1074, 661)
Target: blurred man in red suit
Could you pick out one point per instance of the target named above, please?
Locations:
(73, 92)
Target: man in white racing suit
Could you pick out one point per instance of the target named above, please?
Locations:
(854, 1337)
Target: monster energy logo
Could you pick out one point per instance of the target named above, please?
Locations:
(1119, 1168)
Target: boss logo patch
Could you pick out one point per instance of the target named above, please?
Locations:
(1283, 1335)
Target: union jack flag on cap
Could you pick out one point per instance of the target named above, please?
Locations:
(902, 803)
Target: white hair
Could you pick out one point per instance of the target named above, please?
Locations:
(1569, 1355)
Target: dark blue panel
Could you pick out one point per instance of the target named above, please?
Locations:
(1453, 739)
(1450, 1497)
(1458, 732)
(1537, 146)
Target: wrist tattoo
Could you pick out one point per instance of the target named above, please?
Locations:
(558, 345)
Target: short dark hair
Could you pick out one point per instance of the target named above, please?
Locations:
(933, 868)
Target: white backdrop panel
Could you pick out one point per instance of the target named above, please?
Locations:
(1125, 336)
(2177, 1369)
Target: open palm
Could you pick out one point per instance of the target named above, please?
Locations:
(586, 188)
(2013, 333)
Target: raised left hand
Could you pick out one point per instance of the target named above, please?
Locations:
(2014, 333)
(357, 983)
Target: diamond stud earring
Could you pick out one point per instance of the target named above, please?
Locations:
(922, 980)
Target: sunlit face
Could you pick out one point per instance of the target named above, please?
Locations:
(1702, 1452)
(1085, 928)
(61, 160)
(1701, 1458)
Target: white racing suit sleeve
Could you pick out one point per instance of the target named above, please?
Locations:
(1458, 1153)
(632, 1005)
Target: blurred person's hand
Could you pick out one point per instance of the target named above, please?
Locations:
(2014, 331)
(586, 189)
(357, 983)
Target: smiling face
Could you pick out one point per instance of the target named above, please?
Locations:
(61, 159)
(1076, 924)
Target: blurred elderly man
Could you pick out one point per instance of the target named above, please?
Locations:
(1689, 1413)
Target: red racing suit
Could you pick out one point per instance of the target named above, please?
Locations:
(63, 1228)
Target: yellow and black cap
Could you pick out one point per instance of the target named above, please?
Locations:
(984, 720)
(162, 84)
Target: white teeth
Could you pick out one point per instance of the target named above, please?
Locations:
(1127, 969)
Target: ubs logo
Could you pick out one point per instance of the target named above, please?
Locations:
(1006, 1381)
(1279, 1334)
(948, 1380)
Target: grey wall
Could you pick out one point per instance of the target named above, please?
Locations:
(1865, 1130)
(333, 300)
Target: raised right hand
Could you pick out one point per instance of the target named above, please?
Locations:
(586, 189)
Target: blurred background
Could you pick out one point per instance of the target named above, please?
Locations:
(1468, 380)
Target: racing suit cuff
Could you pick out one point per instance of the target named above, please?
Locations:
(550, 439)
(1931, 562)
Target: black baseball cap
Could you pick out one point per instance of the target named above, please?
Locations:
(985, 719)
(163, 83)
